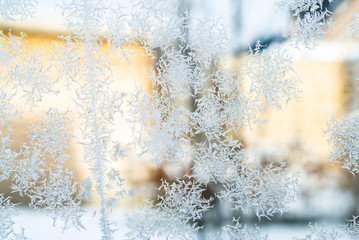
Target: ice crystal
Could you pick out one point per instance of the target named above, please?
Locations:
(311, 21)
(7, 227)
(272, 79)
(164, 127)
(24, 68)
(7, 109)
(352, 227)
(238, 232)
(11, 48)
(17, 9)
(321, 233)
(343, 140)
(173, 215)
(118, 151)
(85, 67)
(207, 51)
(354, 27)
(157, 24)
(217, 161)
(267, 191)
(83, 17)
(48, 185)
(35, 79)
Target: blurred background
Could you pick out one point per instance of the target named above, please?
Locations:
(295, 134)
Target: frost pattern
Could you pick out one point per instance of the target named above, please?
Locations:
(85, 68)
(7, 212)
(352, 228)
(267, 191)
(343, 140)
(238, 232)
(311, 21)
(17, 9)
(321, 233)
(194, 112)
(272, 79)
(39, 172)
(159, 31)
(172, 215)
(21, 69)
(354, 27)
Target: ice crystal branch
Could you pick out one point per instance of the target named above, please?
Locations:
(321, 233)
(343, 140)
(272, 79)
(7, 109)
(163, 128)
(173, 215)
(83, 17)
(34, 78)
(352, 228)
(157, 24)
(311, 21)
(96, 100)
(39, 171)
(17, 9)
(354, 27)
(25, 70)
(217, 161)
(7, 227)
(238, 232)
(267, 191)
(200, 30)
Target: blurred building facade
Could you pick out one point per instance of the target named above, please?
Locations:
(295, 133)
